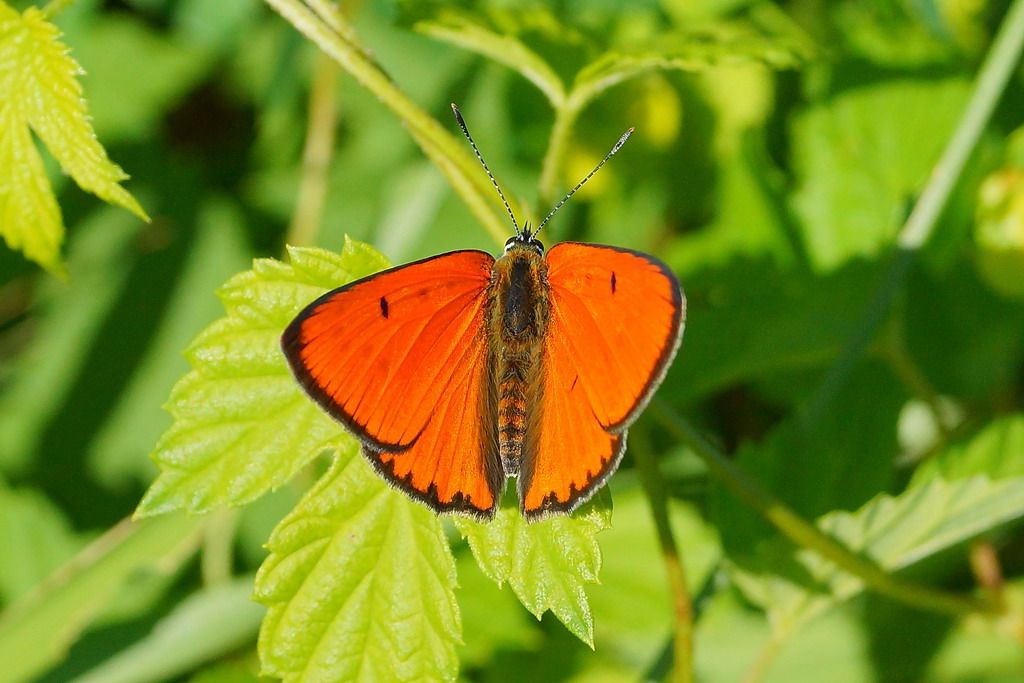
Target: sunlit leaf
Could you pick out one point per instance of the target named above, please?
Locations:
(894, 531)
(546, 563)
(242, 424)
(41, 94)
(360, 585)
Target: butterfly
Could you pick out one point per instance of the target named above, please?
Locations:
(460, 370)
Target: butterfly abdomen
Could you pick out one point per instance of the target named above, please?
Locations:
(518, 320)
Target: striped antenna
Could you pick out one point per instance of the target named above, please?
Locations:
(465, 131)
(609, 155)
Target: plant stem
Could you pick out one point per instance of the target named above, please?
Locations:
(439, 144)
(217, 560)
(554, 158)
(316, 157)
(807, 535)
(996, 71)
(651, 477)
(764, 660)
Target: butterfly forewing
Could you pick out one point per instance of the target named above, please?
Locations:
(615, 322)
(401, 359)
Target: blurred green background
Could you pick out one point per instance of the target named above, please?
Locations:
(776, 194)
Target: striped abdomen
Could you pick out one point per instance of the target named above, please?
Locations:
(513, 405)
(518, 320)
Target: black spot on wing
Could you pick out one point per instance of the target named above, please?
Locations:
(613, 282)
(384, 307)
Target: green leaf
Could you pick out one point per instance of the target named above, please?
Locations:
(360, 585)
(242, 424)
(65, 604)
(895, 532)
(459, 28)
(42, 94)
(861, 156)
(546, 563)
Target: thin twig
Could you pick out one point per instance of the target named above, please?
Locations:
(554, 158)
(807, 535)
(682, 603)
(447, 151)
(316, 157)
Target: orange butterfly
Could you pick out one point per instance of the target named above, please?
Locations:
(461, 370)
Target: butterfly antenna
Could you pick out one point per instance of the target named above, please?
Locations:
(465, 131)
(609, 155)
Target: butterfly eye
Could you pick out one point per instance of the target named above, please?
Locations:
(538, 246)
(509, 242)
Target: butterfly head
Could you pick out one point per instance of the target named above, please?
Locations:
(524, 239)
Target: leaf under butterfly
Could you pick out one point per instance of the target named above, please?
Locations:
(359, 585)
(546, 563)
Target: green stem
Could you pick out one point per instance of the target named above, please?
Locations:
(995, 73)
(440, 145)
(806, 535)
(764, 659)
(216, 564)
(316, 157)
(554, 158)
(653, 483)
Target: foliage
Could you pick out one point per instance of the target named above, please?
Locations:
(779, 149)
(42, 94)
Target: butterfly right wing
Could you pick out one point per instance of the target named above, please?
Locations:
(401, 359)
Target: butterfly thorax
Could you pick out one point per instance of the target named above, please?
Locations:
(518, 320)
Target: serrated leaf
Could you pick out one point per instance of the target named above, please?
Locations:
(359, 585)
(895, 532)
(242, 425)
(546, 563)
(459, 28)
(41, 93)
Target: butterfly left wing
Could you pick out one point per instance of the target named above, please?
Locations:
(616, 320)
(401, 359)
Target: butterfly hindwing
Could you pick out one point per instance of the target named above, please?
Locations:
(615, 322)
(401, 359)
